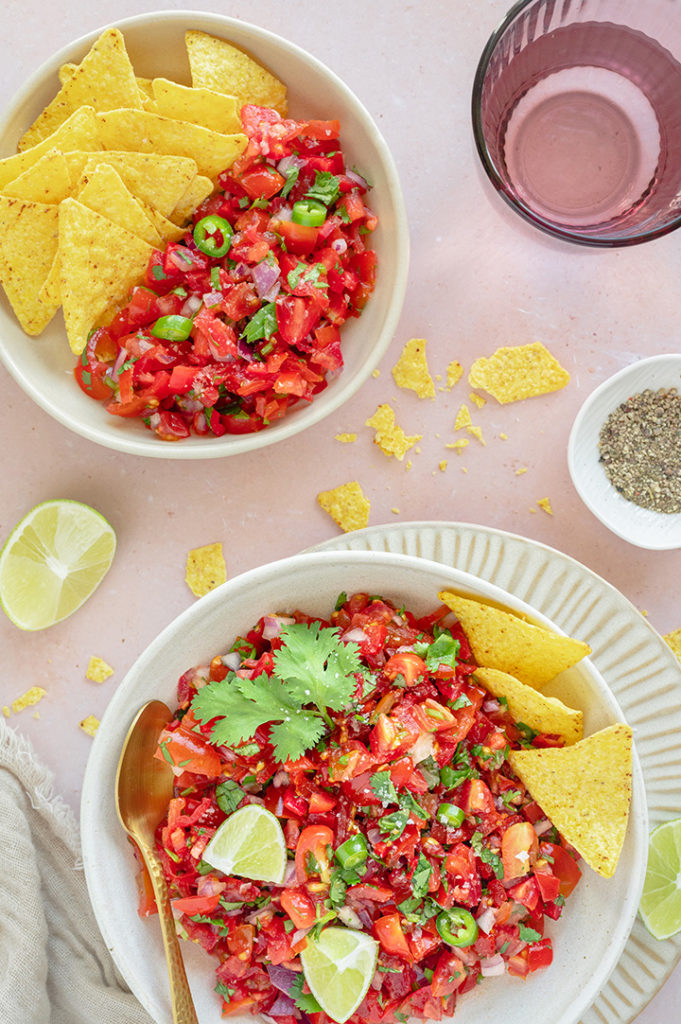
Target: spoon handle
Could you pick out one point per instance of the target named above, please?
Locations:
(180, 994)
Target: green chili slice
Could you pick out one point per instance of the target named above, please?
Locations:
(352, 852)
(213, 236)
(309, 212)
(173, 328)
(450, 815)
(457, 927)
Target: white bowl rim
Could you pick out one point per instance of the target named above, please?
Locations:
(597, 395)
(230, 444)
(118, 709)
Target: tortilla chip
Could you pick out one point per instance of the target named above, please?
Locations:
(459, 446)
(27, 700)
(390, 438)
(50, 292)
(98, 670)
(47, 181)
(199, 189)
(585, 790)
(411, 369)
(523, 371)
(542, 714)
(211, 109)
(103, 191)
(90, 725)
(205, 569)
(347, 506)
(476, 432)
(477, 399)
(65, 72)
(454, 373)
(545, 504)
(28, 243)
(104, 80)
(160, 180)
(216, 64)
(345, 438)
(78, 132)
(146, 93)
(143, 131)
(168, 231)
(674, 641)
(100, 264)
(502, 640)
(463, 418)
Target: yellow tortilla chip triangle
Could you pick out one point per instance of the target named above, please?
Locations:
(104, 192)
(103, 80)
(347, 506)
(168, 231)
(161, 180)
(211, 109)
(411, 369)
(100, 263)
(525, 704)
(28, 243)
(200, 188)
(78, 132)
(515, 373)
(585, 790)
(205, 569)
(142, 131)
(50, 293)
(504, 641)
(216, 64)
(47, 181)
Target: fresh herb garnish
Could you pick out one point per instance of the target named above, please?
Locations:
(262, 324)
(443, 651)
(228, 796)
(421, 877)
(527, 934)
(486, 855)
(325, 189)
(383, 787)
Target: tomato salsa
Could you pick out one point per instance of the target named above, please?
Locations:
(402, 818)
(240, 320)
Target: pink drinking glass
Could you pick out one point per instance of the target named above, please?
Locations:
(577, 117)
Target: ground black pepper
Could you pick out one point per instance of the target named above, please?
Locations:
(640, 448)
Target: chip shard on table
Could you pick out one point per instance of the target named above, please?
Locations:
(514, 373)
(347, 505)
(463, 418)
(390, 437)
(545, 505)
(502, 640)
(454, 373)
(345, 438)
(205, 569)
(585, 791)
(90, 725)
(411, 369)
(27, 700)
(98, 670)
(218, 65)
(673, 640)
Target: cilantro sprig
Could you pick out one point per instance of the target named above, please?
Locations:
(314, 671)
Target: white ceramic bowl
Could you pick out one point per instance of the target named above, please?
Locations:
(155, 42)
(640, 526)
(593, 930)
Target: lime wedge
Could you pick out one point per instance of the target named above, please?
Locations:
(660, 906)
(250, 843)
(52, 561)
(338, 967)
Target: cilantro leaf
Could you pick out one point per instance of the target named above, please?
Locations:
(317, 666)
(443, 651)
(291, 178)
(528, 934)
(392, 825)
(262, 324)
(383, 787)
(486, 855)
(421, 876)
(408, 803)
(325, 188)
(228, 796)
(304, 1001)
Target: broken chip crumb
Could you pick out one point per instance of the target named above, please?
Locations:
(411, 369)
(345, 438)
(347, 506)
(463, 418)
(6, 711)
(90, 725)
(395, 511)
(477, 400)
(673, 639)
(459, 445)
(205, 569)
(503, 437)
(442, 465)
(408, 464)
(390, 438)
(512, 374)
(98, 670)
(36, 714)
(454, 373)
(519, 472)
(545, 504)
(28, 699)
(376, 373)
(476, 432)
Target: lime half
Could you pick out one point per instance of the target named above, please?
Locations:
(52, 562)
(661, 900)
(250, 843)
(338, 967)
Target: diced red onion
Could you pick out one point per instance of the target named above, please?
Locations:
(466, 955)
(264, 276)
(486, 920)
(357, 178)
(339, 245)
(144, 344)
(365, 918)
(349, 918)
(192, 305)
(123, 354)
(513, 947)
(422, 748)
(299, 934)
(287, 163)
(209, 885)
(231, 660)
(182, 260)
(272, 625)
(211, 299)
(280, 779)
(242, 270)
(290, 873)
(285, 213)
(492, 966)
(283, 1006)
(281, 977)
(491, 705)
(154, 420)
(271, 295)
(357, 635)
(540, 827)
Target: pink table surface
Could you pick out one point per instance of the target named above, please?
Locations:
(479, 278)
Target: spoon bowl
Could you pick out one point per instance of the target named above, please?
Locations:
(144, 787)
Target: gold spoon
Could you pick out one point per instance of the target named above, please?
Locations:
(144, 787)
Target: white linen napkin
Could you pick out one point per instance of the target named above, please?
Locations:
(54, 965)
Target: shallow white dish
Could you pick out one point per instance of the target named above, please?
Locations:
(642, 527)
(43, 366)
(589, 938)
